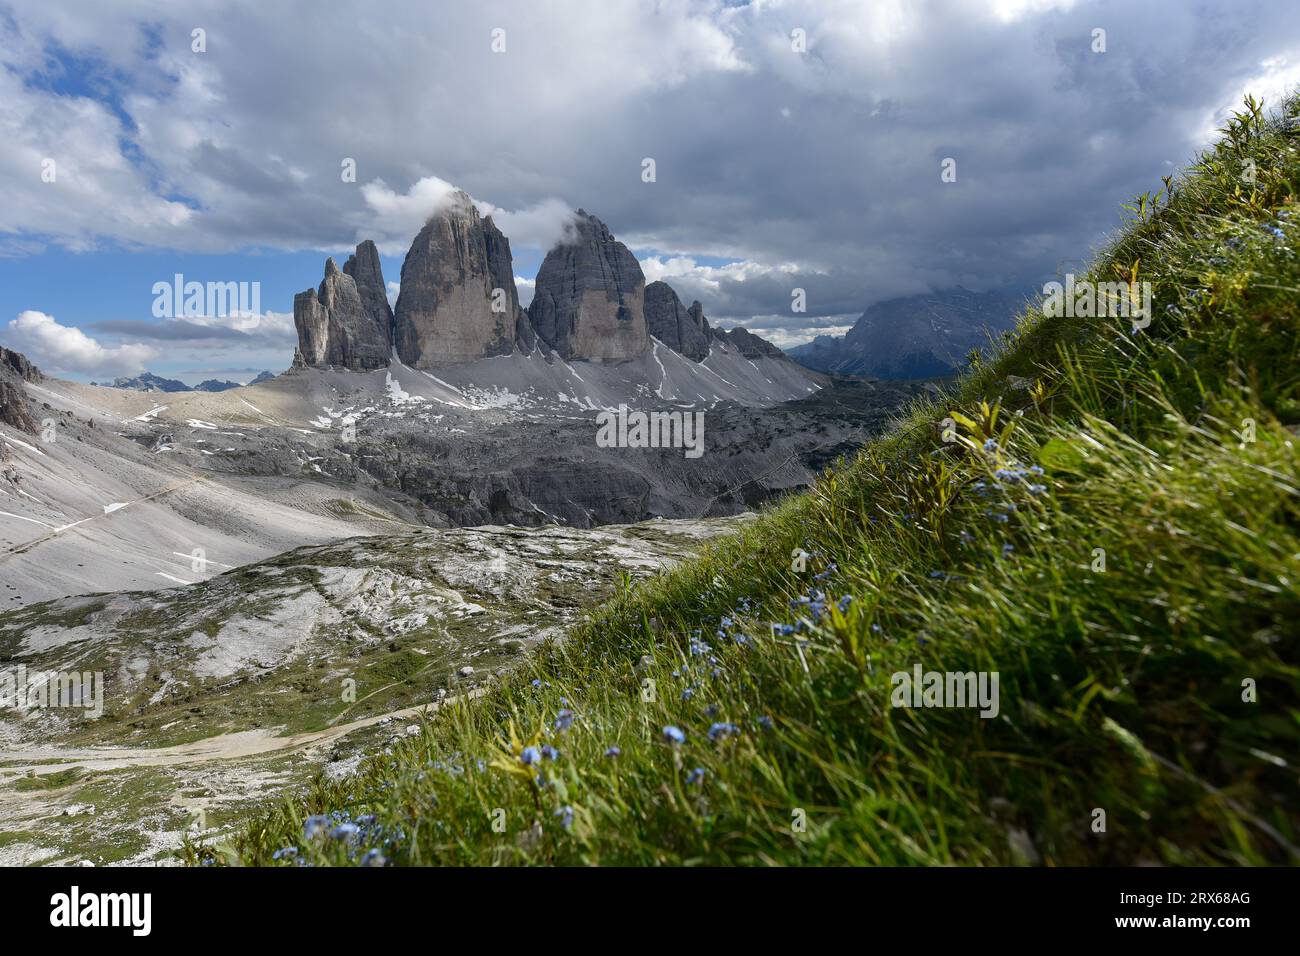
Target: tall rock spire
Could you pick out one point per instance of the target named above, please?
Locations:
(457, 301)
(335, 325)
(589, 298)
(363, 266)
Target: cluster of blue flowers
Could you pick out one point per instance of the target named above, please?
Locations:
(831, 569)
(721, 731)
(364, 836)
(532, 756)
(728, 630)
(810, 608)
(813, 604)
(1014, 476)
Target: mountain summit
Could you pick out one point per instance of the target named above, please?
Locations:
(590, 297)
(335, 326)
(458, 303)
(914, 336)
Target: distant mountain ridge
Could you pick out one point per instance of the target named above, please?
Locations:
(915, 336)
(149, 382)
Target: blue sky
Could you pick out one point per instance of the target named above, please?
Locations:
(777, 168)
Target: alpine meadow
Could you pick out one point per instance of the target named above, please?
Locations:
(749, 453)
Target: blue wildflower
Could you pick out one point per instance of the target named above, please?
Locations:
(530, 756)
(345, 831)
(313, 826)
(612, 751)
(721, 731)
(696, 775)
(564, 720)
(765, 722)
(288, 852)
(674, 734)
(566, 816)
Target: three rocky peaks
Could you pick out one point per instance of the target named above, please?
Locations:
(458, 302)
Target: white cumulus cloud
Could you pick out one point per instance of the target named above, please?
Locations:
(61, 348)
(394, 218)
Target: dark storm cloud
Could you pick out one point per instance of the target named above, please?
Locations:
(175, 330)
(817, 170)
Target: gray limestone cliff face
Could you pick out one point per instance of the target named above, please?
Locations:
(747, 343)
(589, 298)
(335, 326)
(363, 266)
(15, 369)
(458, 302)
(502, 269)
(682, 330)
(447, 312)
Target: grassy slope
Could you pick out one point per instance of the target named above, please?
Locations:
(1120, 689)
